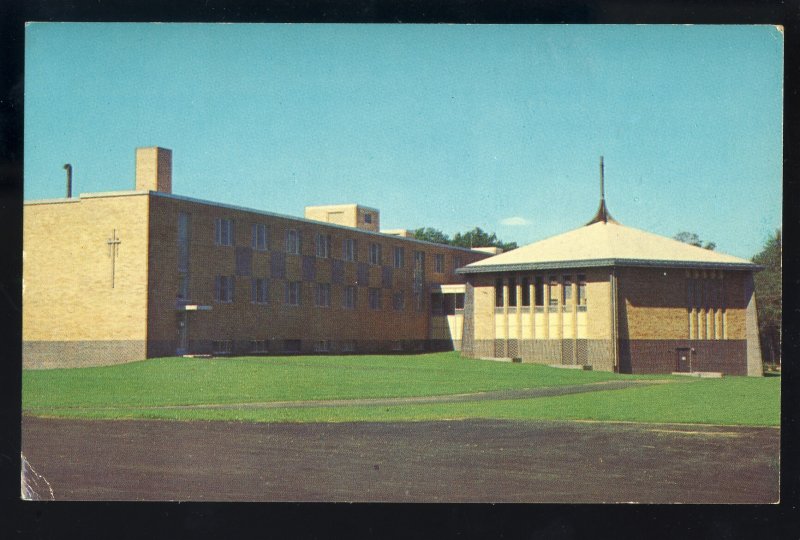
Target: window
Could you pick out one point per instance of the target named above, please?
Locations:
(581, 290)
(437, 304)
(399, 301)
(419, 262)
(374, 299)
(553, 289)
(258, 234)
(512, 292)
(223, 232)
(292, 293)
(438, 263)
(223, 289)
(498, 293)
(399, 257)
(349, 301)
(224, 346)
(183, 241)
(291, 345)
(322, 297)
(538, 291)
(323, 245)
(293, 242)
(183, 286)
(259, 291)
(323, 345)
(526, 292)
(566, 292)
(258, 346)
(349, 249)
(367, 218)
(458, 262)
(375, 254)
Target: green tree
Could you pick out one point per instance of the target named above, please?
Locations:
(477, 237)
(693, 239)
(431, 235)
(768, 297)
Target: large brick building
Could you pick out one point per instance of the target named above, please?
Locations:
(616, 298)
(122, 276)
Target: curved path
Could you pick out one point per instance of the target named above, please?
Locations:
(523, 393)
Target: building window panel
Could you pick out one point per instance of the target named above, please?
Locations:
(375, 254)
(259, 291)
(498, 293)
(292, 296)
(399, 301)
(349, 249)
(538, 291)
(258, 234)
(399, 257)
(349, 301)
(184, 225)
(223, 232)
(553, 291)
(223, 289)
(566, 292)
(512, 292)
(526, 292)
(374, 299)
(323, 245)
(458, 262)
(581, 290)
(293, 242)
(323, 295)
(438, 263)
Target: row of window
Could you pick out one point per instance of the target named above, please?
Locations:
(542, 291)
(259, 294)
(260, 346)
(224, 236)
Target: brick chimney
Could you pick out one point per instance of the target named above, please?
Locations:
(154, 169)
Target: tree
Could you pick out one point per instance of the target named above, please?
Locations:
(694, 239)
(768, 297)
(431, 235)
(474, 238)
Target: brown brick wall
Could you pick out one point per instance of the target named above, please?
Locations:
(660, 356)
(242, 320)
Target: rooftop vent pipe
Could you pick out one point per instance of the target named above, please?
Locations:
(68, 168)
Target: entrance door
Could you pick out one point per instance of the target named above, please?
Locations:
(683, 363)
(183, 341)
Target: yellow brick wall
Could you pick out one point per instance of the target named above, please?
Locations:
(67, 293)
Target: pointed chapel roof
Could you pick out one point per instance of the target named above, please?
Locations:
(606, 243)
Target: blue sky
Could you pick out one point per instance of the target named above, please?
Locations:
(447, 126)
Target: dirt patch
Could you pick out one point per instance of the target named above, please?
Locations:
(452, 461)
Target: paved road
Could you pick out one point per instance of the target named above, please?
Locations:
(453, 461)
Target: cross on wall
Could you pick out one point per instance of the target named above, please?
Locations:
(113, 247)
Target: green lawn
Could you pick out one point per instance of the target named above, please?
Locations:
(132, 389)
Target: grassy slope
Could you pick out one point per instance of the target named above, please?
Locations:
(732, 400)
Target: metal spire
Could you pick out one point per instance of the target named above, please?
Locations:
(602, 212)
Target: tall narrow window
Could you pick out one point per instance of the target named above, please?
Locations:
(374, 299)
(399, 257)
(223, 232)
(322, 296)
(258, 291)
(438, 263)
(258, 237)
(292, 297)
(553, 291)
(349, 301)
(512, 292)
(349, 249)
(458, 262)
(567, 291)
(538, 291)
(375, 254)
(183, 286)
(581, 290)
(526, 292)
(399, 301)
(498, 292)
(184, 222)
(293, 242)
(223, 289)
(323, 245)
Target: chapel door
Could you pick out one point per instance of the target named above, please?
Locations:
(683, 362)
(183, 340)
